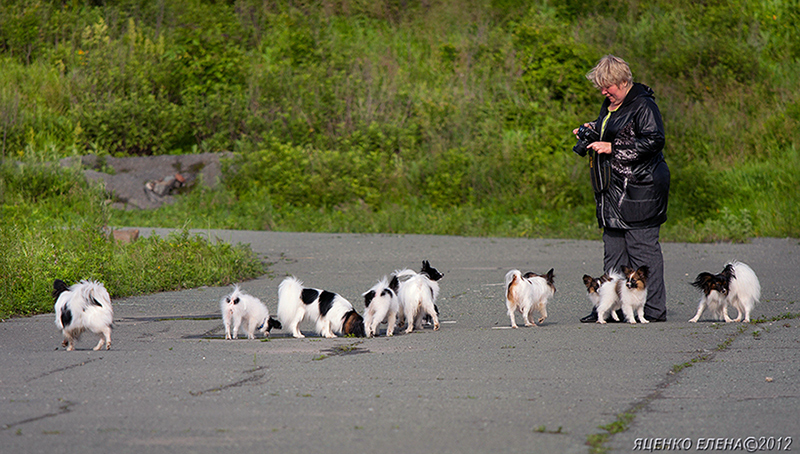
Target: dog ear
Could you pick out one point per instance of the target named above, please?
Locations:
(587, 280)
(728, 272)
(273, 323)
(368, 297)
(626, 271)
(644, 271)
(59, 287)
(702, 280)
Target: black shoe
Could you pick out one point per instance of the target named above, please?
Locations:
(654, 319)
(620, 317)
(591, 318)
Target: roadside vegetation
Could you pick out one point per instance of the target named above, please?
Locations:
(450, 117)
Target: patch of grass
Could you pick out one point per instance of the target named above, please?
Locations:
(597, 442)
(59, 231)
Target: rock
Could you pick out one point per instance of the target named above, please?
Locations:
(128, 180)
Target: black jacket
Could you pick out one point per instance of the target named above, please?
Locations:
(639, 188)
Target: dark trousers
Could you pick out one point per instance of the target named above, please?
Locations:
(635, 248)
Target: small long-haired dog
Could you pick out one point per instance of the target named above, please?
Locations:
(240, 308)
(85, 306)
(593, 286)
(526, 293)
(417, 293)
(626, 291)
(381, 304)
(330, 312)
(737, 285)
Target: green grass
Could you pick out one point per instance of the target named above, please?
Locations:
(53, 225)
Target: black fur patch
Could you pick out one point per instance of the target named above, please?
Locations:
(309, 295)
(96, 303)
(59, 287)
(236, 300)
(273, 323)
(66, 317)
(326, 302)
(387, 292)
(368, 297)
(394, 284)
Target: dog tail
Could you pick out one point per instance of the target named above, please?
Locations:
(744, 282)
(289, 297)
(512, 277)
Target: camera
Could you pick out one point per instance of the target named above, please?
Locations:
(586, 136)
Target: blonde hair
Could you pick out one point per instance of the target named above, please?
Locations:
(610, 70)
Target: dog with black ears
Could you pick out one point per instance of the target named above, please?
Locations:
(417, 293)
(736, 286)
(330, 312)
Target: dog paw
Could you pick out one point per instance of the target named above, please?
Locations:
(694, 320)
(601, 321)
(542, 320)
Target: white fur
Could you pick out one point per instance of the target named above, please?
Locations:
(79, 300)
(292, 310)
(240, 308)
(417, 295)
(620, 296)
(525, 295)
(744, 291)
(383, 307)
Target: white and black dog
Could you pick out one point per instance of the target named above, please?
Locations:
(417, 293)
(628, 292)
(737, 285)
(330, 312)
(240, 308)
(381, 305)
(85, 306)
(526, 293)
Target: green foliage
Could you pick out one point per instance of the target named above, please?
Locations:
(53, 225)
(448, 109)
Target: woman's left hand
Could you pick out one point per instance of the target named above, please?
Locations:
(601, 147)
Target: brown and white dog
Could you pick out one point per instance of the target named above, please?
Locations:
(330, 312)
(628, 292)
(526, 293)
(593, 286)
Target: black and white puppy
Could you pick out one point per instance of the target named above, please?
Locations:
(526, 293)
(381, 305)
(330, 312)
(417, 293)
(594, 286)
(629, 294)
(737, 286)
(85, 306)
(239, 308)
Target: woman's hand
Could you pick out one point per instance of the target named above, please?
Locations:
(600, 147)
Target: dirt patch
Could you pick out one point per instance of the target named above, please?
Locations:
(147, 182)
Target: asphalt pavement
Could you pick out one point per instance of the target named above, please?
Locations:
(171, 383)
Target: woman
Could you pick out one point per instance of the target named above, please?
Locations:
(632, 199)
